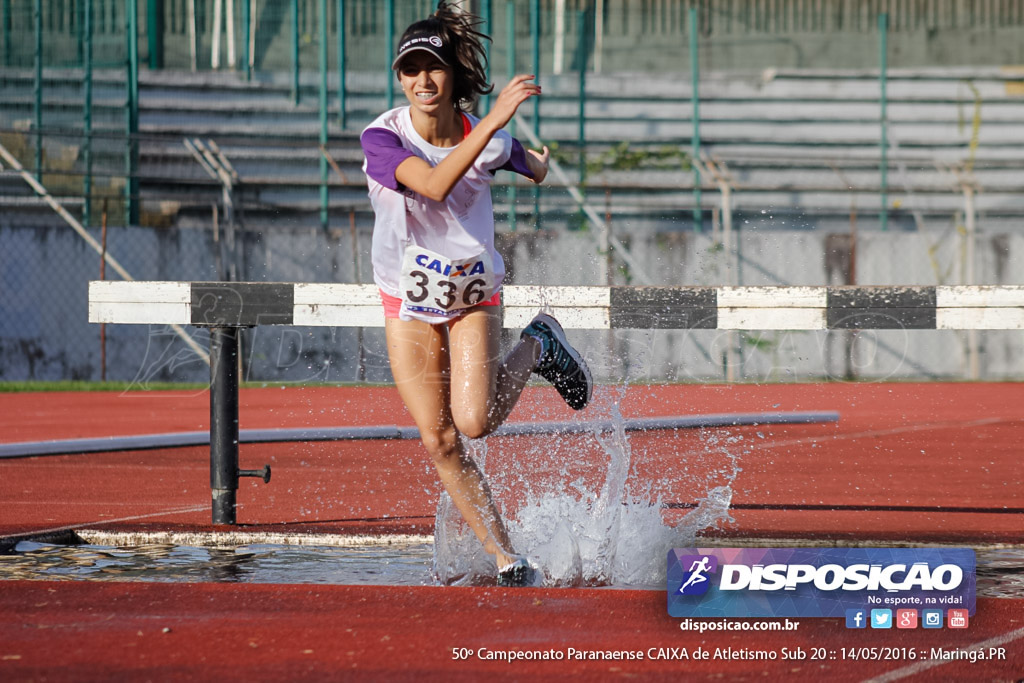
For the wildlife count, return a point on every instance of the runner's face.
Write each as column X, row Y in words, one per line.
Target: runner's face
column 427, row 82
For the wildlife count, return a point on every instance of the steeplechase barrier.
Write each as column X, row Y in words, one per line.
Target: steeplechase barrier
column 226, row 307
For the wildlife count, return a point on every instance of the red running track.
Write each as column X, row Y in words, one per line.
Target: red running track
column 906, row 462
column 901, row 456
column 73, row 631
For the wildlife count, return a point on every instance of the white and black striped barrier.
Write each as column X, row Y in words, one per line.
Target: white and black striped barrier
column 246, row 304
column 227, row 306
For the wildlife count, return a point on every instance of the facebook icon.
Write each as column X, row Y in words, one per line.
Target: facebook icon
column 856, row 618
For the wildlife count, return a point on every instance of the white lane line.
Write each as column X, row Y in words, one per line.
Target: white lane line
column 765, row 445
column 241, row 538
column 821, row 438
column 924, row 665
column 69, row 503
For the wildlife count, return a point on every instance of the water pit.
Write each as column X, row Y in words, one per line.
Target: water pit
column 160, row 558
column 329, row 559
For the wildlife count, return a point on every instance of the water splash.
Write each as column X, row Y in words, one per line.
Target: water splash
column 459, row 557
column 585, row 537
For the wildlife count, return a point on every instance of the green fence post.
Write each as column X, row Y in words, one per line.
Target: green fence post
column 131, row 187
column 155, row 33
column 695, row 98
column 581, row 119
column 488, row 23
column 389, row 30
column 342, row 64
column 323, row 113
column 883, row 30
column 295, row 51
column 37, row 88
column 246, row 30
column 510, row 37
column 79, row 35
column 87, row 114
column 535, row 57
column 7, row 32
column 535, row 64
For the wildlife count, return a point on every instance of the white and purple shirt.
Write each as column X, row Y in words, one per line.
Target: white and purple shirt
column 460, row 227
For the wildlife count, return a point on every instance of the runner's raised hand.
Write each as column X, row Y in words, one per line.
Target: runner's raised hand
column 518, row 90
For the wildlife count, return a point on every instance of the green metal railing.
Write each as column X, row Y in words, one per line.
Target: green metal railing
column 324, row 191
column 87, row 113
column 510, row 72
column 37, row 90
column 695, row 100
column 119, row 37
column 274, row 29
column 883, row 139
column 131, row 110
column 279, row 33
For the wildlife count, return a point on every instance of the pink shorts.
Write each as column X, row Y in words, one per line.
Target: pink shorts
column 392, row 304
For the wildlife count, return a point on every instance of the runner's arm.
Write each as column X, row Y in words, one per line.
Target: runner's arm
column 437, row 182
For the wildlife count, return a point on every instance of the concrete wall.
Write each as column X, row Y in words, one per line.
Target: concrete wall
column 44, row 333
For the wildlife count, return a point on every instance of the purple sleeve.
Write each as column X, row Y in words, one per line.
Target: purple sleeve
column 517, row 161
column 384, row 152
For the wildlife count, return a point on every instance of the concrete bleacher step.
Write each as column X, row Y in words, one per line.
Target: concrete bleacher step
column 784, row 136
column 796, row 133
column 17, row 198
column 866, row 201
column 807, row 110
column 926, row 110
column 274, row 164
column 818, row 179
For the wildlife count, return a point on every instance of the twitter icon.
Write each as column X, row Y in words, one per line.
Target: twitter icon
column 881, row 618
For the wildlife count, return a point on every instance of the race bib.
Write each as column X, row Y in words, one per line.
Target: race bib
column 431, row 283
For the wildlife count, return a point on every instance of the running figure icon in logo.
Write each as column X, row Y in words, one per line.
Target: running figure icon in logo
column 696, row 582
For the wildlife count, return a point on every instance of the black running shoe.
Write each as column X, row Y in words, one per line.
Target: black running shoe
column 560, row 363
column 519, row 574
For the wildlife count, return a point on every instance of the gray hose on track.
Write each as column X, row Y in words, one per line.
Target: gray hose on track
column 140, row 442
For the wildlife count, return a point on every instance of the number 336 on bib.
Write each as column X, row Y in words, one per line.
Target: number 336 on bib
column 432, row 283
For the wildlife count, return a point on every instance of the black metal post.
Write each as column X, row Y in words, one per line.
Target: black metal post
column 224, row 422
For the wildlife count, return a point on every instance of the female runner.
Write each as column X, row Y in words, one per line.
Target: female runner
column 429, row 166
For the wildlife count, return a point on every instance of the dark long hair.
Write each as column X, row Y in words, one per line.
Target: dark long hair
column 459, row 29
